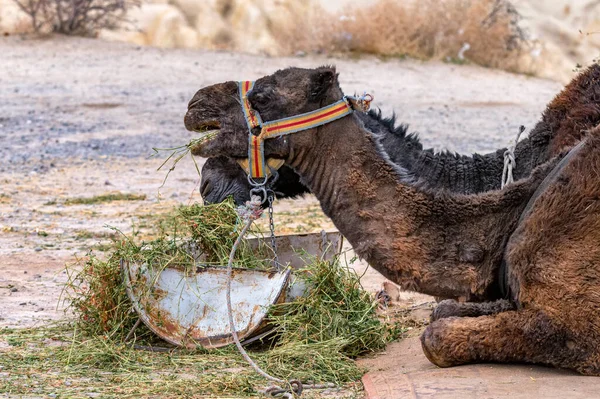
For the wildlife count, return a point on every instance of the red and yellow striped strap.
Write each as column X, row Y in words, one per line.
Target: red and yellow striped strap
column 309, row 120
column 252, row 118
column 256, row 159
column 280, row 127
column 272, row 164
column 291, row 125
column 256, row 156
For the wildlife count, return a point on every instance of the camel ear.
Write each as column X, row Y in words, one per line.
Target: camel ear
column 321, row 81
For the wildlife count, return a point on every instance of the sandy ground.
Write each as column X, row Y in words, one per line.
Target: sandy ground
column 80, row 118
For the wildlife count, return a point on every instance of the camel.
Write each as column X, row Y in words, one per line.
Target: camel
column 441, row 243
column 566, row 119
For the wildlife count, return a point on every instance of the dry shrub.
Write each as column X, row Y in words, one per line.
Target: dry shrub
column 487, row 31
column 74, row 17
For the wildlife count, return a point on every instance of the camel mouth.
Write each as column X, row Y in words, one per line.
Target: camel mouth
column 205, row 128
column 207, row 131
column 195, row 124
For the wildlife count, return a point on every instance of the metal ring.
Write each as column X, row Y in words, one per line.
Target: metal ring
column 260, row 191
column 256, row 184
column 297, row 386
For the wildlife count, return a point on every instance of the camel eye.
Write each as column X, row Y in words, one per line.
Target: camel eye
column 258, row 99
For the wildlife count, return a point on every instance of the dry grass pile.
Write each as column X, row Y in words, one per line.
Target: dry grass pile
column 485, row 32
column 95, row 289
column 316, row 337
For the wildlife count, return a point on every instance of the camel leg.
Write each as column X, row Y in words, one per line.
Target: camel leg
column 452, row 308
column 527, row 336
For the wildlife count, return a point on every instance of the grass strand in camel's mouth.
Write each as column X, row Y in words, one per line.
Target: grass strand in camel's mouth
column 207, row 130
column 206, row 134
column 204, row 137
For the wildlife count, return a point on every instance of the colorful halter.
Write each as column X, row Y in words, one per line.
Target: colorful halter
column 281, row 127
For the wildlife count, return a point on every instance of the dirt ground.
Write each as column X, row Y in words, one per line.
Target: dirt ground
column 80, row 118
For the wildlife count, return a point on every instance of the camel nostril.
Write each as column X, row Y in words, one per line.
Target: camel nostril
column 193, row 102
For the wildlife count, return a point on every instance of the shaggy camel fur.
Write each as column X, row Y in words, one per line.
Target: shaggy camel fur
column 566, row 119
column 436, row 242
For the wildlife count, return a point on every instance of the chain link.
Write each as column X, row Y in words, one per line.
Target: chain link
column 266, row 194
column 270, row 198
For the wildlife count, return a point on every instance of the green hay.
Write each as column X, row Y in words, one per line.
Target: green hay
column 95, row 287
column 336, row 307
column 316, row 336
column 214, row 229
column 180, row 152
column 61, row 362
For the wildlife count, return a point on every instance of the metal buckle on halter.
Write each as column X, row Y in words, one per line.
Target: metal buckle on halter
column 258, row 189
column 361, row 103
column 263, row 189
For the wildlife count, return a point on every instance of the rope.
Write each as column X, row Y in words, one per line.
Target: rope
column 510, row 162
column 248, row 214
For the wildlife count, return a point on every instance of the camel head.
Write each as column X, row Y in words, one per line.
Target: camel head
column 285, row 93
column 214, row 110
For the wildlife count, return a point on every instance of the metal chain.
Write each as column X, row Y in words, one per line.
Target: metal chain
column 264, row 191
column 270, row 198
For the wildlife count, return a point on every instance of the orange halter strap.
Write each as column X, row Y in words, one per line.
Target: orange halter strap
column 281, row 127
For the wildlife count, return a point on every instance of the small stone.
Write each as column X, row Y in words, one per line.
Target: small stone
column 14, row 289
column 38, row 249
column 23, row 304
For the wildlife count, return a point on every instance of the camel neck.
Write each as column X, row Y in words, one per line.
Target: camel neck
column 428, row 241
